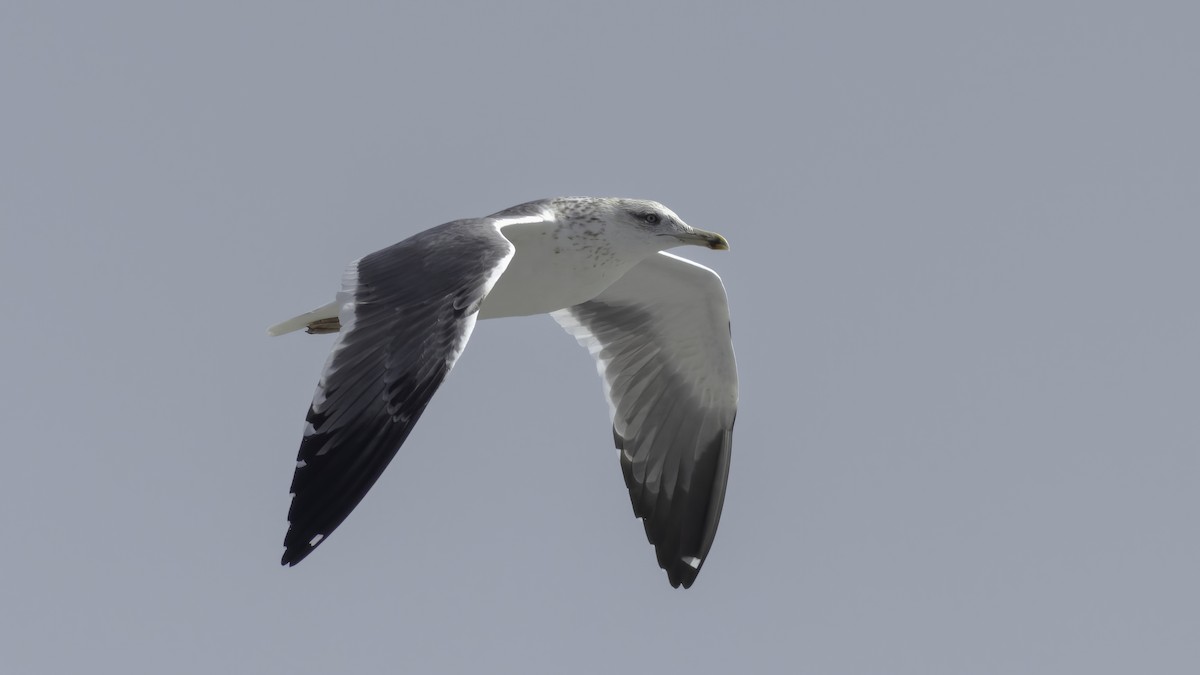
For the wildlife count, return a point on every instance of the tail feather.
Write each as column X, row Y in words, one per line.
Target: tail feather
column 323, row 312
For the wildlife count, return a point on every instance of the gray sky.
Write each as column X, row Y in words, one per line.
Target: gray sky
column 963, row 285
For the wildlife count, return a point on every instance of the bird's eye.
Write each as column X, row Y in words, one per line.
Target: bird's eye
column 651, row 218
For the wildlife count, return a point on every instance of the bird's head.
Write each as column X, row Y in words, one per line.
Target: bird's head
column 649, row 222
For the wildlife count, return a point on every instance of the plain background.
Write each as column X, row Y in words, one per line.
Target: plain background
column 963, row 285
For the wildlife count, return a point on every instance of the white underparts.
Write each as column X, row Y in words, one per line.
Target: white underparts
column 556, row 266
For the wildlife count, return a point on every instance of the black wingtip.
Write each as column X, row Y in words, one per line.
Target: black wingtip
column 682, row 574
column 294, row 552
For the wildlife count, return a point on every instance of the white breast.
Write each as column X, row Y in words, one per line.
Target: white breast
column 555, row 266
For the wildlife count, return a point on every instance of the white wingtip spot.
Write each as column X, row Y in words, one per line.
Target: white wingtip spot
column 694, row 563
column 300, row 464
column 316, row 540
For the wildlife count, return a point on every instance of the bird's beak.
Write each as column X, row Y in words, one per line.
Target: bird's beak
column 705, row 238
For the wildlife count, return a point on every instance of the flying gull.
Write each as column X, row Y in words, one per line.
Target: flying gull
column 657, row 325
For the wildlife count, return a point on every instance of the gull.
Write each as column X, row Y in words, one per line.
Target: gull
column 656, row 324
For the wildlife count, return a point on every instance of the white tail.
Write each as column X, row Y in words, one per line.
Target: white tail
column 329, row 311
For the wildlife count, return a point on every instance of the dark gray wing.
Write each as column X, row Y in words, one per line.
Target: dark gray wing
column 660, row 336
column 406, row 314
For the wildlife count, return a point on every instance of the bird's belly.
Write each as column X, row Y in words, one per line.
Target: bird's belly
column 547, row 274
